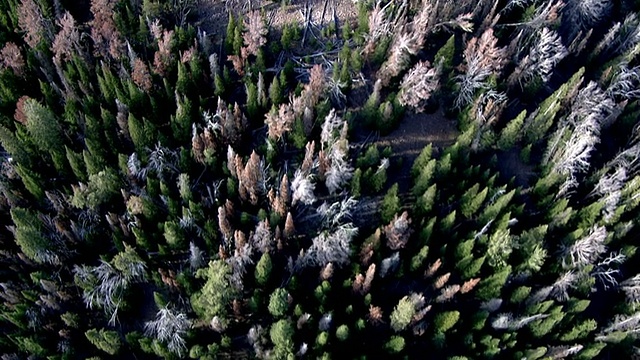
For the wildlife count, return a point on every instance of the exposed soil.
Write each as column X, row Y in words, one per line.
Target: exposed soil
column 213, row 18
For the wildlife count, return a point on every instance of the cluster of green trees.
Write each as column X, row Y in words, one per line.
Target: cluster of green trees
column 170, row 193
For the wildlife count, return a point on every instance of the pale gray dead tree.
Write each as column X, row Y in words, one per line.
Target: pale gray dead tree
column 257, row 339
column 340, row 171
column 303, row 349
column 325, row 322
column 564, row 351
column 390, row 264
column 569, row 149
column 607, row 272
column 508, row 322
column 418, row 85
column 560, row 288
column 621, row 39
column 196, row 257
column 336, row 146
column 104, row 285
column 631, row 289
column 545, row 52
column 491, row 305
column 545, row 14
column 584, row 14
column 162, row 161
column 539, row 296
column 262, row 238
column 609, row 190
column 337, row 212
column 242, row 256
column 629, row 158
column 586, row 250
column 626, row 83
column 330, row 247
column 627, row 324
column 9, row 294
column 182, row 9
column 170, row 328
column 302, row 188
column 332, row 128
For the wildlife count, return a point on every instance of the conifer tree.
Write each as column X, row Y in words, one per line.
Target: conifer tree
column 217, row 293
column 31, row 239
column 275, row 92
column 263, row 269
column 511, row 134
column 390, row 204
column 402, row 314
column 279, row 302
column 46, row 131
column 538, row 123
column 281, row 334
column 444, row 321
column 105, row 340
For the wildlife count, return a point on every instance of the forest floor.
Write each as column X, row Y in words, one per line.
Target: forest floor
column 213, row 18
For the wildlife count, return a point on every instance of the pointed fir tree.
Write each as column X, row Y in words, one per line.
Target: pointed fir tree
column 512, row 133
column 390, row 204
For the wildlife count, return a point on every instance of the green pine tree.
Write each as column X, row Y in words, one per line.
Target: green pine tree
column 390, row 204
column 263, row 269
column 402, row 314
column 105, row 340
column 30, row 238
column 512, row 133
column 276, row 94
column 279, row 302
column 444, row 321
column 281, row 334
column 215, row 296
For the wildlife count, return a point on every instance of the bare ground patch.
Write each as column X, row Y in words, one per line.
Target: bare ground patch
column 213, row 16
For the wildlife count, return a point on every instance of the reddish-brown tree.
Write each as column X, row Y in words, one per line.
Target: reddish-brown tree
column 141, row 76
column 31, row 22
column 105, row 35
column 66, row 39
column 11, row 58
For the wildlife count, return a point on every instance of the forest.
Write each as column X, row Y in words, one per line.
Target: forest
column 319, row 179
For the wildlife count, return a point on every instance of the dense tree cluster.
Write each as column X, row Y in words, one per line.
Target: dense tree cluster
column 169, row 193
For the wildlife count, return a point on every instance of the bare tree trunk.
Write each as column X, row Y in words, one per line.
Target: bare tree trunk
column 307, row 14
column 324, row 11
column 336, row 20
